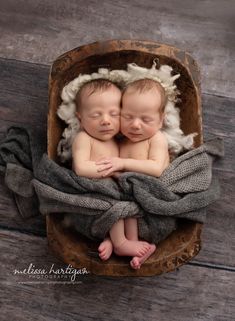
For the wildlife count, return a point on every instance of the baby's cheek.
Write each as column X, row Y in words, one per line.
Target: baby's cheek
column 123, row 130
column 121, row 125
column 117, row 124
column 151, row 130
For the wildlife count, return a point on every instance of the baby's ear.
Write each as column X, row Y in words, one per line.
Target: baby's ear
column 78, row 115
column 162, row 119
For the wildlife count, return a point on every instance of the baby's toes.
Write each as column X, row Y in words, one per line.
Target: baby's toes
column 101, row 248
column 102, row 256
column 135, row 263
column 145, row 248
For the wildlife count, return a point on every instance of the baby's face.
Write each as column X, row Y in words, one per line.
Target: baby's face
column 99, row 113
column 140, row 115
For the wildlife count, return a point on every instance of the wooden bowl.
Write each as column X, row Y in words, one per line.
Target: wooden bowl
column 185, row 242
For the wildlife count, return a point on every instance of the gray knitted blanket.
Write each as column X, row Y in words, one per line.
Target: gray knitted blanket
column 92, row 206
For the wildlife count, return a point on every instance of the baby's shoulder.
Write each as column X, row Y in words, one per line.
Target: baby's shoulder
column 158, row 138
column 82, row 134
column 81, row 137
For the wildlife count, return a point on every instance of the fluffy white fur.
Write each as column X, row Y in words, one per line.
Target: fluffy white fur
column 176, row 139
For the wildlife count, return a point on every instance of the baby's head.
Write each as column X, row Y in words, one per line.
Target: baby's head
column 143, row 105
column 98, row 108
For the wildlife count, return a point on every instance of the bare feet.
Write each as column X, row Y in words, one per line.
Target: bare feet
column 138, row 260
column 132, row 248
column 105, row 249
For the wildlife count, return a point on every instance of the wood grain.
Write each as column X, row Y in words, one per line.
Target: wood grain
column 218, row 119
column 184, row 243
column 218, row 239
column 192, row 293
column 11, row 219
column 39, row 31
column 23, row 98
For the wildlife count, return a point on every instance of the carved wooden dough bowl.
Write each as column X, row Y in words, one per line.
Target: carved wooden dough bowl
column 184, row 243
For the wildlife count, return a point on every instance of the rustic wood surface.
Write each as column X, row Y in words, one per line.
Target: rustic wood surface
column 37, row 32
column 183, row 244
column 194, row 293
column 40, row 30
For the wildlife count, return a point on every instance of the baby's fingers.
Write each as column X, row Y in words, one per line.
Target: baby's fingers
column 116, row 174
column 108, row 172
column 104, row 167
column 102, row 161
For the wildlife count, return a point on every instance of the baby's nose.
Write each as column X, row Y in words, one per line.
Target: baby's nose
column 105, row 120
column 136, row 124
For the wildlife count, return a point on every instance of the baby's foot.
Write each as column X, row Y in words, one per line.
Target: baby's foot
column 138, row 260
column 105, row 249
column 132, row 248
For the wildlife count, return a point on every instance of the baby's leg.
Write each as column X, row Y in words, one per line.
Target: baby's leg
column 131, row 229
column 123, row 246
column 105, row 249
column 137, row 261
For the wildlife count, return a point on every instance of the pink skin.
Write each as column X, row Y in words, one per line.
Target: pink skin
column 140, row 115
column 141, row 119
column 105, row 249
column 137, row 261
column 137, row 124
column 126, row 245
column 132, row 248
column 123, row 246
column 100, row 113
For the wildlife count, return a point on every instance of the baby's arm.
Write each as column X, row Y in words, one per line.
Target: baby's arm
column 81, row 153
column 156, row 163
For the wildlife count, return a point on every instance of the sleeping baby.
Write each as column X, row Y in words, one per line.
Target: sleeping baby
column 144, row 149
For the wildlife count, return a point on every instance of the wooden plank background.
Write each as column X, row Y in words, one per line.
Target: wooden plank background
column 33, row 34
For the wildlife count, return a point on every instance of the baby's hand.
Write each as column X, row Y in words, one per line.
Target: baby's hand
column 116, row 174
column 110, row 165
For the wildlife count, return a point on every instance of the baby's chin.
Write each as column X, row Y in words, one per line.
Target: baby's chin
column 137, row 138
column 103, row 136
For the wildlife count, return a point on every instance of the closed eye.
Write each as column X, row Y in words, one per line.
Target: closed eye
column 128, row 117
column 115, row 113
column 95, row 115
column 147, row 120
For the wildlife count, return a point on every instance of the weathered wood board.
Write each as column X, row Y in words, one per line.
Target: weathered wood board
column 31, row 97
column 191, row 293
column 39, row 31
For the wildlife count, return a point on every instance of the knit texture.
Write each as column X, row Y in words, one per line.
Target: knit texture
column 92, row 206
